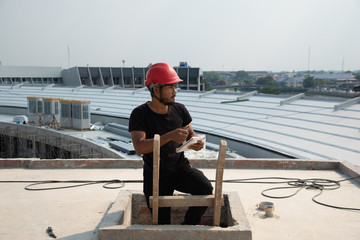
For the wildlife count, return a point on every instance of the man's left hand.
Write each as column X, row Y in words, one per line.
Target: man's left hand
column 197, row 146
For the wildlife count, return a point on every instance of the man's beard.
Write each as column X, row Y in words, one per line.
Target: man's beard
column 168, row 103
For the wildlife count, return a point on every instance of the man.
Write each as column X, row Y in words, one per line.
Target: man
column 171, row 120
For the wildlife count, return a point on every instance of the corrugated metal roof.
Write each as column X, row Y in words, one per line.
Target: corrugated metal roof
column 289, row 79
column 333, row 76
column 306, row 128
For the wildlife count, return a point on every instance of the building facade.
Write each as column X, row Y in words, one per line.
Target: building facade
column 122, row 77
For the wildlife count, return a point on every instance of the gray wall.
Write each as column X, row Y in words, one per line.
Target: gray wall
column 71, row 77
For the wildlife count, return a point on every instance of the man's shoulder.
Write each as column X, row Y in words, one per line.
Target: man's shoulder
column 178, row 105
column 141, row 107
column 180, row 109
column 137, row 118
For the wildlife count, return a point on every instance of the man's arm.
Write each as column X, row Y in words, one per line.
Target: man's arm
column 143, row 145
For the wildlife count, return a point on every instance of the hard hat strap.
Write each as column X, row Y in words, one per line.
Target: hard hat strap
column 151, row 89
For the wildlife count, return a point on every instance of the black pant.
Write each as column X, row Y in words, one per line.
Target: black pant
column 188, row 180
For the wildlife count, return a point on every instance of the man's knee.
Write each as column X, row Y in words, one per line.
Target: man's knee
column 208, row 188
column 205, row 188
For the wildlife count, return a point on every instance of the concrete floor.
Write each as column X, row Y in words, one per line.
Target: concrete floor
column 76, row 213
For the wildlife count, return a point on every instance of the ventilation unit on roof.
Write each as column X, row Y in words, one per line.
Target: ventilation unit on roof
column 81, row 114
column 65, row 116
column 51, row 111
column 35, row 109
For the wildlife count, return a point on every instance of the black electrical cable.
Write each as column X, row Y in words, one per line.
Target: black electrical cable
column 295, row 183
column 299, row 184
column 79, row 183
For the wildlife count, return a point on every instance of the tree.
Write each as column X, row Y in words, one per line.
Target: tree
column 266, row 81
column 269, row 90
column 220, row 82
column 320, row 83
column 242, row 76
column 309, row 82
column 211, row 77
column 357, row 76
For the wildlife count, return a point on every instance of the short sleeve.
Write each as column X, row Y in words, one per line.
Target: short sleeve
column 187, row 116
column 137, row 120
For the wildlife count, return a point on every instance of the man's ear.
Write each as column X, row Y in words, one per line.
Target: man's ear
column 156, row 90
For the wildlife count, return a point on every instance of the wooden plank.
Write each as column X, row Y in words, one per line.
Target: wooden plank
column 186, row 201
column 218, row 183
column 156, row 167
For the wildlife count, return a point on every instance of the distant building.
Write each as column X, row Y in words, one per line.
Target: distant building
column 30, row 75
column 291, row 81
column 231, row 74
column 123, row 77
column 338, row 80
column 337, row 77
column 192, row 77
column 257, row 74
column 290, row 74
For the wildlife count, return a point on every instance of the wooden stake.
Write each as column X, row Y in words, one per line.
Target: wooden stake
column 156, row 167
column 218, row 183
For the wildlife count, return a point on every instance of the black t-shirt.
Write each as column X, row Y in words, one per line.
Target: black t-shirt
column 144, row 119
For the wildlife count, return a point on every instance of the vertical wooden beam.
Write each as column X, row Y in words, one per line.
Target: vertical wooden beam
column 156, row 165
column 218, row 183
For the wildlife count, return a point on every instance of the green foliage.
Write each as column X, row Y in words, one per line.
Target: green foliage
column 309, row 82
column 241, row 76
column 320, row 82
column 357, row 76
column 207, row 86
column 220, row 82
column 266, row 81
column 211, row 77
column 270, row 90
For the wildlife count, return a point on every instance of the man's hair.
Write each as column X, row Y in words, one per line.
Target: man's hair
column 151, row 86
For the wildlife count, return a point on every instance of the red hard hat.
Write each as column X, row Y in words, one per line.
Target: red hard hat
column 161, row 73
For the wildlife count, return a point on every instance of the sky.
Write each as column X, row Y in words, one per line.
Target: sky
column 215, row 35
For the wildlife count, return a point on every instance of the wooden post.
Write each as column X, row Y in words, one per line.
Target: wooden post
column 156, row 167
column 218, row 183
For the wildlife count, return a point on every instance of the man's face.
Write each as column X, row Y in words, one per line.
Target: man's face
column 168, row 93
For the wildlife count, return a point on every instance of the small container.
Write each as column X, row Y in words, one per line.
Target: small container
column 269, row 211
column 263, row 205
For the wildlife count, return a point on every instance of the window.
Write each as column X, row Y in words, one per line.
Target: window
column 32, row 106
column 47, row 107
column 56, row 108
column 65, row 110
column 40, row 106
column 86, row 113
column 77, row 111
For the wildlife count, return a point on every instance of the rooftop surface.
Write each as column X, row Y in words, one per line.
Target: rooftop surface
column 77, row 213
column 306, row 128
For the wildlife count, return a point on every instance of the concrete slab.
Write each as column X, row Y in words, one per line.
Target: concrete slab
column 78, row 213
column 133, row 221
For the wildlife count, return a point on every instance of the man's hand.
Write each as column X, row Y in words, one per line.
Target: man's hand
column 179, row 135
column 197, row 146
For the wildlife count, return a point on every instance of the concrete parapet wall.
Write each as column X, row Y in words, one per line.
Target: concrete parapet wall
column 200, row 163
column 75, row 146
column 350, row 170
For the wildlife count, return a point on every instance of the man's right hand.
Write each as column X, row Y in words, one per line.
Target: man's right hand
column 179, row 135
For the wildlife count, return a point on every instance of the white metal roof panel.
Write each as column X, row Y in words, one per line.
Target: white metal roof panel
column 305, row 128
